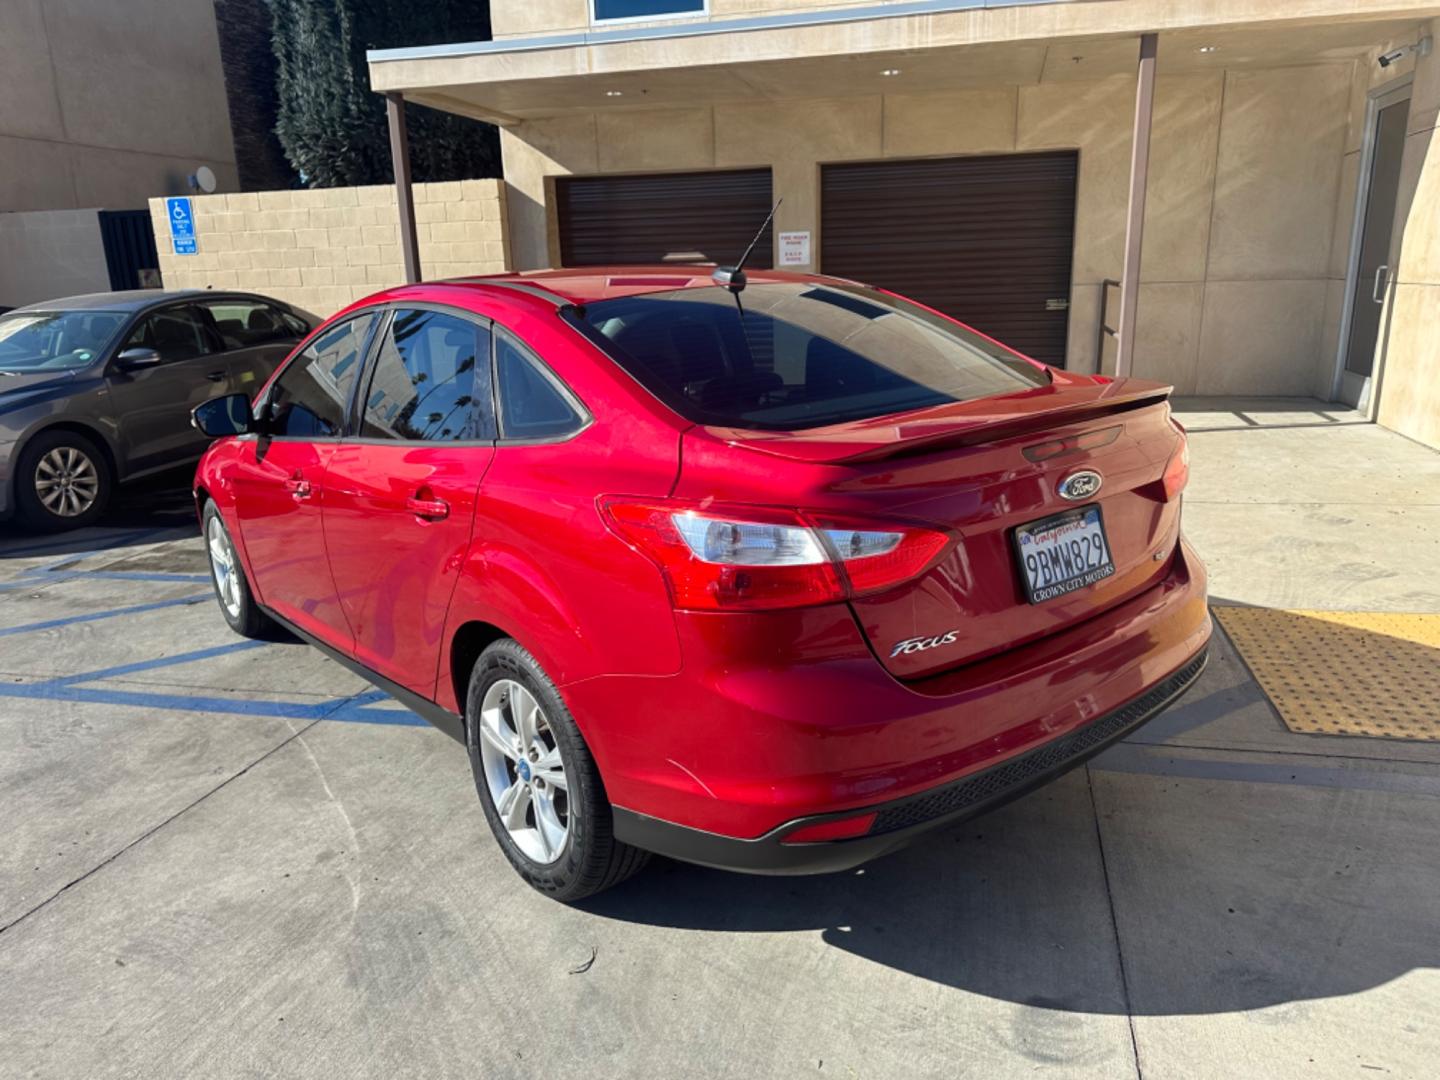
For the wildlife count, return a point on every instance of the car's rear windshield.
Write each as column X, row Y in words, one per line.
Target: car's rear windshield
column 799, row 356
column 55, row 340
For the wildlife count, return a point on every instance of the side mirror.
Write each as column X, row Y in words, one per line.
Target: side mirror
column 137, row 359
column 221, row 416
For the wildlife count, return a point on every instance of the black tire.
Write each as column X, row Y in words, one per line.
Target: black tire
column 591, row 859
column 31, row 510
column 244, row 616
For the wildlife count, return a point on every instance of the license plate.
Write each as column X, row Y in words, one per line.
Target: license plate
column 1063, row 553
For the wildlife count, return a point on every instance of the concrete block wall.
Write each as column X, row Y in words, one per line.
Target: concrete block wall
column 325, row 248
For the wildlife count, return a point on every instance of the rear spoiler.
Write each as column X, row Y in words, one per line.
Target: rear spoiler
column 970, row 423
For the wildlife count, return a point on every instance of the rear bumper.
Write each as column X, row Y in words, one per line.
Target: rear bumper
column 903, row 820
column 777, row 719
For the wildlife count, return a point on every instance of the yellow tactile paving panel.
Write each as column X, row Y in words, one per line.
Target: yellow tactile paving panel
column 1344, row 672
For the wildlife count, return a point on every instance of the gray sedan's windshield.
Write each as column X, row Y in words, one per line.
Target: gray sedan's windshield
column 55, row 340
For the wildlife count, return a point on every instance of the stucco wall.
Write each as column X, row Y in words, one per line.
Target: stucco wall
column 324, row 249
column 1409, row 360
column 1244, row 181
column 45, row 254
column 1016, row 18
column 107, row 104
column 512, row 19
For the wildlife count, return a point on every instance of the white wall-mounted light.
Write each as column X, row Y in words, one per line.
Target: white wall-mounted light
column 614, row 93
column 1208, row 48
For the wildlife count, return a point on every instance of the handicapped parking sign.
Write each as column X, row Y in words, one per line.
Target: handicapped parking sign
column 182, row 226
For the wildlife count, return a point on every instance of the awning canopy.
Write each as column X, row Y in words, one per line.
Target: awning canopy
column 838, row 53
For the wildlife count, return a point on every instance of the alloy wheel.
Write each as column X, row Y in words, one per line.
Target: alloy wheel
column 67, row 482
column 223, row 566
column 524, row 771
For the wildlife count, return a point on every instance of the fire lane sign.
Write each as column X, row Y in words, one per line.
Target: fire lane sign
column 182, row 226
column 795, row 248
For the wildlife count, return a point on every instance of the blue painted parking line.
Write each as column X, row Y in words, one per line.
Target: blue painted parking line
column 151, row 665
column 35, row 580
column 97, row 616
column 356, row 708
column 67, row 690
column 201, row 703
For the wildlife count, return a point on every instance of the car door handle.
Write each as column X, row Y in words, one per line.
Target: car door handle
column 298, row 487
column 429, row 509
column 216, row 376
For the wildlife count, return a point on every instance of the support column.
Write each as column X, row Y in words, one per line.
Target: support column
column 1135, row 220
column 404, row 194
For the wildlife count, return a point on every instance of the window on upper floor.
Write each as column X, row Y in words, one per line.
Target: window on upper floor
column 623, row 10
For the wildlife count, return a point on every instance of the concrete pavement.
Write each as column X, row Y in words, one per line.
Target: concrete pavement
column 227, row 859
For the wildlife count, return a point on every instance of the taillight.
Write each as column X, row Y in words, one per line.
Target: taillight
column 721, row 558
column 1177, row 472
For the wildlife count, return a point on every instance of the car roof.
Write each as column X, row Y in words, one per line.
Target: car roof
column 127, row 300
column 589, row 284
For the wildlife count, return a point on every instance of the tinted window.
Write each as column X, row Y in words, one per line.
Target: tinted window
column 800, row 355
column 55, row 340
column 640, row 9
column 308, row 400
column 431, row 380
column 532, row 405
column 175, row 333
column 243, row 323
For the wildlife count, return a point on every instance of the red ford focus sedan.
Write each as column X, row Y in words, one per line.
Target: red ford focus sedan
column 772, row 575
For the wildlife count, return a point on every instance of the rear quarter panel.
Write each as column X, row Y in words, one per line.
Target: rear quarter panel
column 542, row 565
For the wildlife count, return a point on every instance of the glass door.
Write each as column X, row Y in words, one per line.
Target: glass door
column 1373, row 269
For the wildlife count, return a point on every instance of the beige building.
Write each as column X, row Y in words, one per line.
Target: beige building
column 107, row 104
column 978, row 154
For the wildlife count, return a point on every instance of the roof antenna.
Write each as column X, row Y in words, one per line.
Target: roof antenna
column 733, row 277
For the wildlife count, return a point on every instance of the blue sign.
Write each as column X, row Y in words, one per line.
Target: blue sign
column 182, row 226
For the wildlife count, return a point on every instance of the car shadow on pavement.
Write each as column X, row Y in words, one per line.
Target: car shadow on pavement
column 146, row 512
column 1271, row 908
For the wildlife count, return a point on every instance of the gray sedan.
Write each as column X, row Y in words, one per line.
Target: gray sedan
column 97, row 390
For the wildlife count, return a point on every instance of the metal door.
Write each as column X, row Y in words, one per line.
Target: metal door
column 988, row 240
column 665, row 218
column 1371, row 268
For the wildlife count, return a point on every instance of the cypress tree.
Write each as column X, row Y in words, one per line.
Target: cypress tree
column 332, row 126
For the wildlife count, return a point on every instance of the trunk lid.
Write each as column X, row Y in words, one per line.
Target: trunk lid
column 981, row 469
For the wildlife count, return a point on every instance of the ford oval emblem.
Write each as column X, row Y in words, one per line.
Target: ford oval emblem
column 1080, row 485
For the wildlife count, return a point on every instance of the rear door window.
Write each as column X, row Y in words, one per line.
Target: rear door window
column 430, row 381
column 310, row 398
column 788, row 356
column 534, row 405
column 244, row 323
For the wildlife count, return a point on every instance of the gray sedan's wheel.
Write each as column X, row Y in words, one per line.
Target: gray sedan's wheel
column 232, row 590
column 67, row 481
column 539, row 786
column 62, row 481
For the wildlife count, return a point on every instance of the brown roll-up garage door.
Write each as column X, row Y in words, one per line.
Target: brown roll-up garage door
column 674, row 217
column 985, row 239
